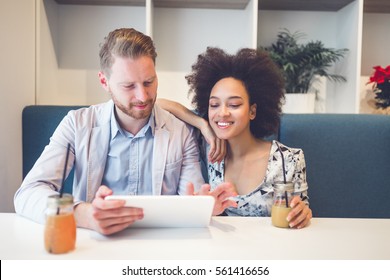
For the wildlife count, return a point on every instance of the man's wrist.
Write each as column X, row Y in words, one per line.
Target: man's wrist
column 82, row 214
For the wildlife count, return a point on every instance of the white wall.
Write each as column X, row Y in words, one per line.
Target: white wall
column 375, row 51
column 344, row 97
column 376, row 42
column 17, row 53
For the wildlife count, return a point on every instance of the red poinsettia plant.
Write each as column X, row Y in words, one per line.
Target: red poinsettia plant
column 381, row 86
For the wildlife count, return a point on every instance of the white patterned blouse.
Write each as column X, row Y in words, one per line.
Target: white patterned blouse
column 259, row 201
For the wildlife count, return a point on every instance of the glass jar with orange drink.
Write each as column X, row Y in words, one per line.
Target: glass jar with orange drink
column 60, row 228
column 283, row 193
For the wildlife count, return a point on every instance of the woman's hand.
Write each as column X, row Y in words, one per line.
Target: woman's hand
column 217, row 150
column 222, row 194
column 300, row 214
column 217, row 146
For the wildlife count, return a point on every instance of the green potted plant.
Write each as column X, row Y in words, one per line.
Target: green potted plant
column 301, row 64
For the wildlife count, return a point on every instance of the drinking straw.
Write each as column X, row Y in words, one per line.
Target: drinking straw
column 65, row 167
column 64, row 175
column 285, row 193
column 284, row 172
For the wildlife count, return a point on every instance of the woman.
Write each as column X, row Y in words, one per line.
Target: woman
column 239, row 97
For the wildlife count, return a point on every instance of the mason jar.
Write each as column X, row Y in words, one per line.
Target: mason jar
column 283, row 193
column 60, row 228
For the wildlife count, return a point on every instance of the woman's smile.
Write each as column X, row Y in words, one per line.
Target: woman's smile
column 223, row 124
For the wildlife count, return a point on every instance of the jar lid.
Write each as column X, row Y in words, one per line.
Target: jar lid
column 55, row 200
column 282, row 186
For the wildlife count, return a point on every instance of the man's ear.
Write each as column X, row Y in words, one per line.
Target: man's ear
column 104, row 81
column 252, row 111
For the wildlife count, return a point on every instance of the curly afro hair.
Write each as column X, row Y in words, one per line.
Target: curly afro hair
column 261, row 77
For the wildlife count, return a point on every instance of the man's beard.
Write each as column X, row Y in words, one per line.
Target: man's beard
column 134, row 113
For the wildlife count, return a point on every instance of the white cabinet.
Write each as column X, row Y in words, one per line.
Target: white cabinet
column 69, row 33
column 69, row 36
column 180, row 34
column 337, row 26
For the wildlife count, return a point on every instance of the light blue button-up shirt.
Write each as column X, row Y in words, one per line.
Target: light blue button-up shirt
column 128, row 168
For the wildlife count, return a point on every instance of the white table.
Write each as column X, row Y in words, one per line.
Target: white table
column 225, row 238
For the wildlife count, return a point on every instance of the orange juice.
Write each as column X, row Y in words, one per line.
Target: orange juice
column 60, row 229
column 60, row 233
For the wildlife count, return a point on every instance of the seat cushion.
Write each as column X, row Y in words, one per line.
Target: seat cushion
column 38, row 124
column 347, row 159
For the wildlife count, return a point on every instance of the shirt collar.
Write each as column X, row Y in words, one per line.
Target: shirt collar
column 115, row 127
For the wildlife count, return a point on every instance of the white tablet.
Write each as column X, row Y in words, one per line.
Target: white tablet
column 171, row 210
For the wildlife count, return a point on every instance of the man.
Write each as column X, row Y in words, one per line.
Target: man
column 127, row 146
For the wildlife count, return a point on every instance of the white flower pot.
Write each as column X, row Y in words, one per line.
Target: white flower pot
column 299, row 103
